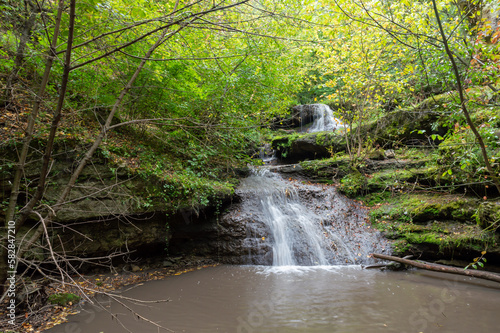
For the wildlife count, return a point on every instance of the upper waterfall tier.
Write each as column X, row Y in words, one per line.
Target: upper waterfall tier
column 324, row 119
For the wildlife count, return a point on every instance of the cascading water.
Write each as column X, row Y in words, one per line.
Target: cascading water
column 267, row 154
column 290, row 222
column 324, row 119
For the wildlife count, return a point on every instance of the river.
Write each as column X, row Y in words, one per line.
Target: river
column 284, row 299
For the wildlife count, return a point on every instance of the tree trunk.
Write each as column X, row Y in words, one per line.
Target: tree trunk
column 441, row 268
column 88, row 155
column 463, row 102
column 9, row 216
column 28, row 24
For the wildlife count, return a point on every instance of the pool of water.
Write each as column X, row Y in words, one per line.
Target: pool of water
column 246, row 299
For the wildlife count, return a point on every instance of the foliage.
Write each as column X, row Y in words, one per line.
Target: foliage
column 64, row 299
column 477, row 262
column 353, row 184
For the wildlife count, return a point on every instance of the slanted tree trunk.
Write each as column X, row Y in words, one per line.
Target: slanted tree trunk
column 19, row 168
column 88, row 155
column 463, row 101
column 441, row 268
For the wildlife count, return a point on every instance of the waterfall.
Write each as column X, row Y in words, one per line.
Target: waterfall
column 294, row 223
column 324, row 119
column 267, row 154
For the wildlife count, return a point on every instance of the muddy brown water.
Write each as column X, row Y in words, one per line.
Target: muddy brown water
column 251, row 299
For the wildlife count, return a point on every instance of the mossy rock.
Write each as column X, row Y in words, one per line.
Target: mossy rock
column 353, row 183
column 327, row 169
column 413, row 125
column 488, row 216
column 424, row 208
column 298, row 147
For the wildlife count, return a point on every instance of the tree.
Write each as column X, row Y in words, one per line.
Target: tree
column 412, row 49
column 106, row 64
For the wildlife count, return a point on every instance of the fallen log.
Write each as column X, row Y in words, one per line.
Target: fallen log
column 441, row 268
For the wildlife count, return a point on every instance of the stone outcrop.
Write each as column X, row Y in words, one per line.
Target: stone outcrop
column 308, row 146
column 299, row 115
column 111, row 210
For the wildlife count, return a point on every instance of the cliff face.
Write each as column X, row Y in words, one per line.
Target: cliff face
column 112, row 210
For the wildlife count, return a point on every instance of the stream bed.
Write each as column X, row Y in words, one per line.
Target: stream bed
column 244, row 299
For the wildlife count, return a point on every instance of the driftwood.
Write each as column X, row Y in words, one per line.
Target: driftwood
column 441, row 268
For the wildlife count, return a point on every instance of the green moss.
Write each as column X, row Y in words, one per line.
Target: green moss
column 64, row 299
column 443, row 221
column 401, row 247
column 353, row 183
column 423, row 208
column 488, row 216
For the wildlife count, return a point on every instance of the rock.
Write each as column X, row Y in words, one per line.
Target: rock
column 299, row 115
column 135, row 268
column 167, row 263
column 377, row 155
column 389, row 153
column 290, row 168
column 316, row 145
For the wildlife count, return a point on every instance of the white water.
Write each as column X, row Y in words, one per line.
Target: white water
column 305, row 224
column 324, row 119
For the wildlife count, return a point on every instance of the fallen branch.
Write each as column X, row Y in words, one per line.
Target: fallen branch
column 441, row 268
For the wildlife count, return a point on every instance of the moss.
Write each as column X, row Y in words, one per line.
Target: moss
column 64, row 299
column 488, row 216
column 353, row 183
column 401, row 247
column 392, row 180
column 443, row 222
column 423, row 208
column 282, row 143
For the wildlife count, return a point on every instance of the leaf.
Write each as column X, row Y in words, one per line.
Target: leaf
column 480, row 264
column 483, row 253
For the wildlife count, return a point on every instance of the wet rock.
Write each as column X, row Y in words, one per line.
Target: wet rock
column 294, row 168
column 300, row 115
column 167, row 263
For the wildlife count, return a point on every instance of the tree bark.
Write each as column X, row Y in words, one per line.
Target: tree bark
column 88, row 155
column 16, row 183
column 441, row 268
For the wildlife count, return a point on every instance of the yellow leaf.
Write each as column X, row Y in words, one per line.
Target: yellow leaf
column 483, row 253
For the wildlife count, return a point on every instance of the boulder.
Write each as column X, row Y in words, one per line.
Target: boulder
column 299, row 115
column 309, row 146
